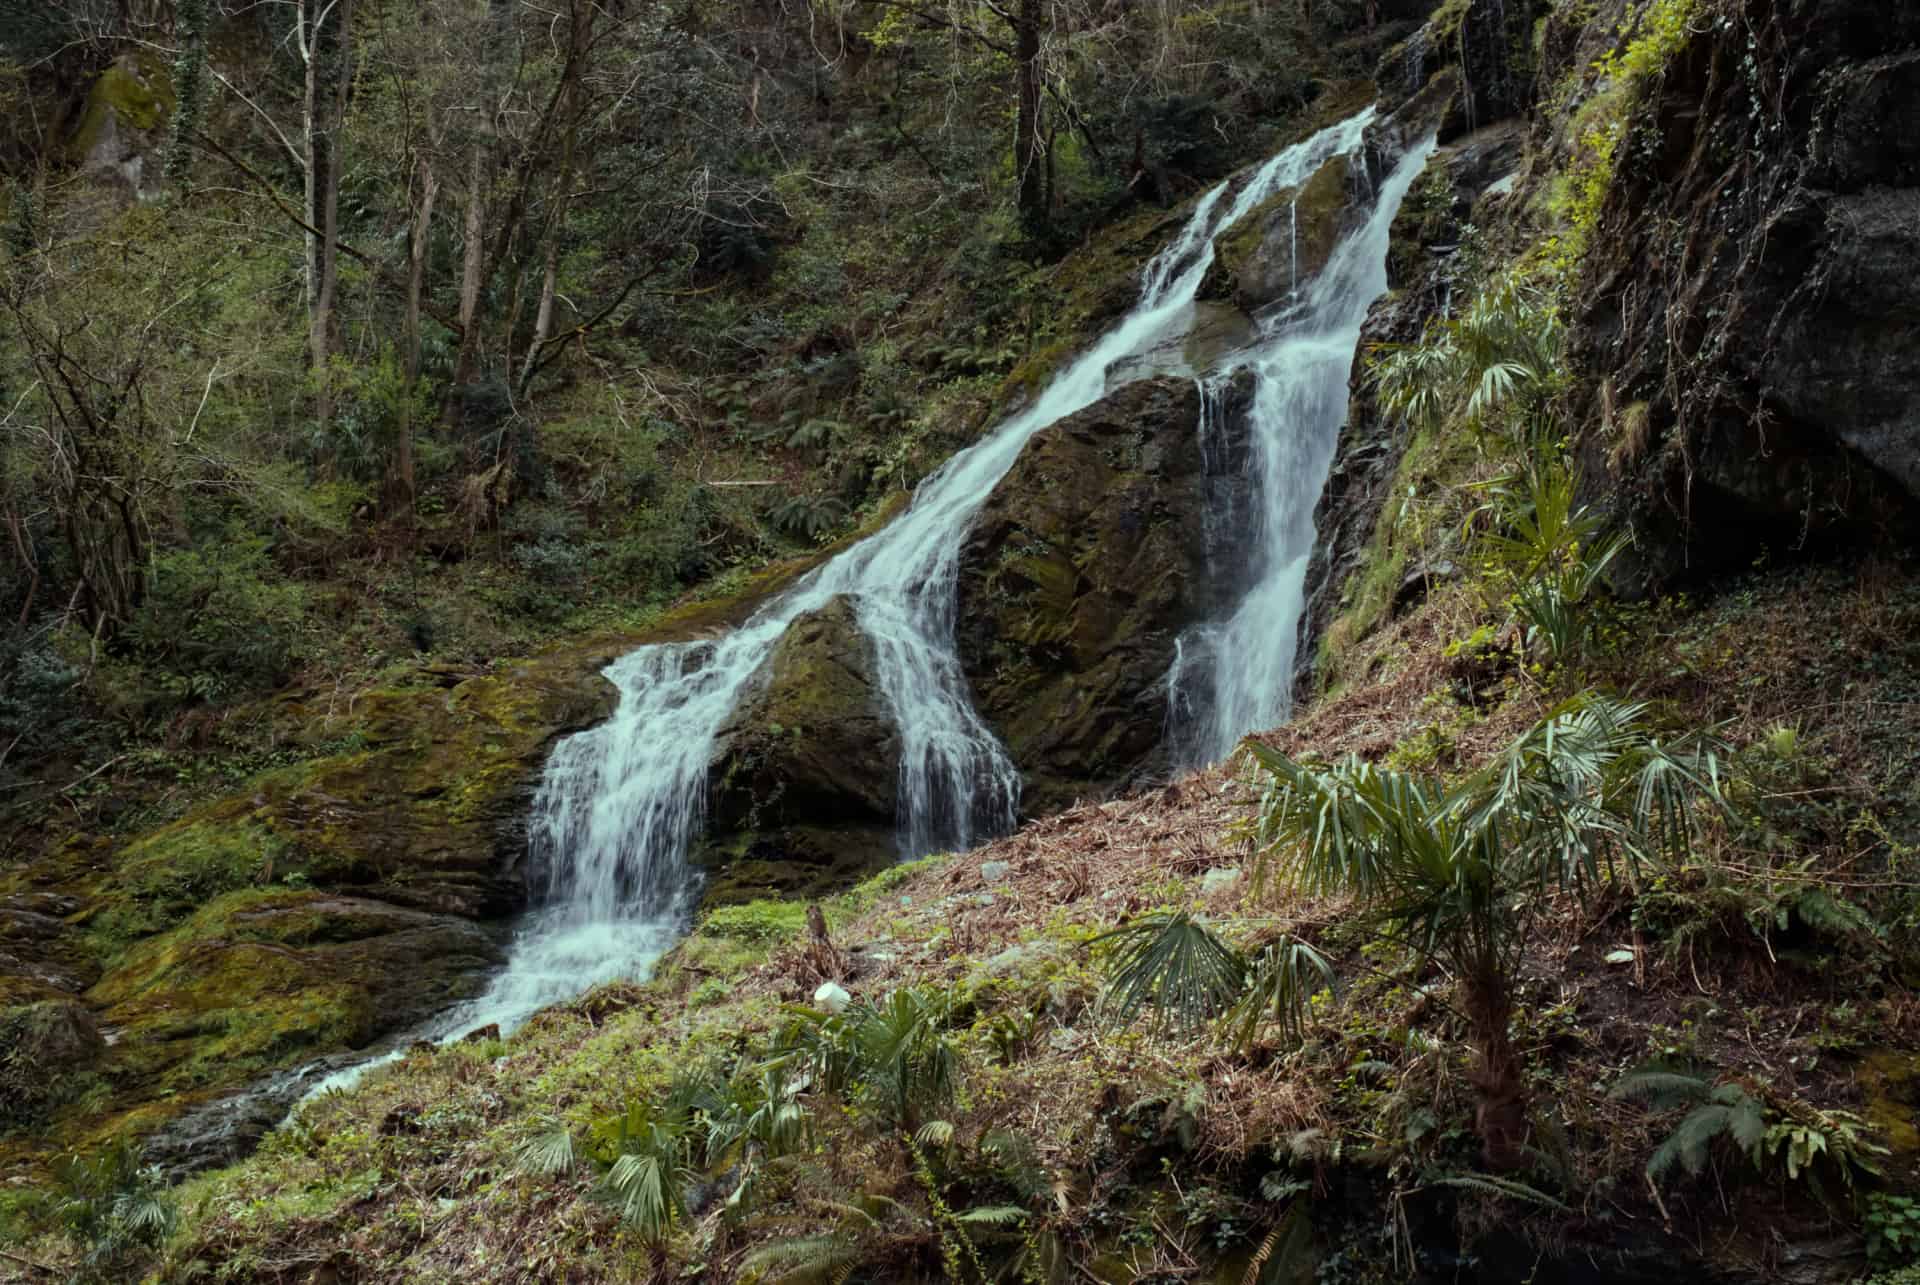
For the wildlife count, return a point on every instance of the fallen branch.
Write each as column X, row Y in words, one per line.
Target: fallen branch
column 27, row 1262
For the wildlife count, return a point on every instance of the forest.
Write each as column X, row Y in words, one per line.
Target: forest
column 983, row 640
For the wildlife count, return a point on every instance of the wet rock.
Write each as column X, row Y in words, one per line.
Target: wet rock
column 1469, row 60
column 1079, row 573
column 803, row 783
column 1457, row 189
column 995, row 871
column 256, row 981
column 1279, row 246
column 1757, row 356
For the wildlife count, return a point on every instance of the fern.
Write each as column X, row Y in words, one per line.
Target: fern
column 802, row 1260
column 1505, row 1187
column 1836, row 917
column 1719, row 1111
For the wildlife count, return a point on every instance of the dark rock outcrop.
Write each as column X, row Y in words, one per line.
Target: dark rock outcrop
column 1079, row 573
column 1761, row 345
column 804, row 778
column 1471, row 60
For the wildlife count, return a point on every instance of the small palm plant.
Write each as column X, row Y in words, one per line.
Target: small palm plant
column 1493, row 363
column 114, row 1206
column 1546, row 553
column 894, row 1055
column 1457, row 872
column 1175, row 966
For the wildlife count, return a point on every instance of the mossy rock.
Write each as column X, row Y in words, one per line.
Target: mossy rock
column 806, row 769
column 1080, row 572
column 257, row 980
column 1890, row 1083
column 48, row 1052
column 124, row 122
column 1282, row 243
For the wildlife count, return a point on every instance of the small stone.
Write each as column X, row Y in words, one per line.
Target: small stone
column 1219, row 880
column 1063, row 1038
column 831, row 997
column 995, row 871
column 1022, row 958
column 984, row 900
column 906, row 901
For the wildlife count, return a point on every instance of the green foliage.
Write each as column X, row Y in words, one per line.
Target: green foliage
column 1280, row 988
column 1173, row 965
column 1718, row 1111
column 894, row 1056
column 115, row 1208
column 547, row 1153
column 1545, row 556
column 808, row 517
column 1488, row 367
column 1449, row 869
column 766, row 922
column 220, row 618
column 646, row 1154
column 1656, row 31
column 1892, row 1226
column 1795, row 1140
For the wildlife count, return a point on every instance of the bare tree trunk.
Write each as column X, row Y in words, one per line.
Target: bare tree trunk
column 543, row 319
column 566, row 110
column 400, row 477
column 1028, row 163
column 472, row 258
column 326, row 28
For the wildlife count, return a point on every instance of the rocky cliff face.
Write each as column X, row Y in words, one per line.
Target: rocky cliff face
column 1079, row 574
column 1746, row 317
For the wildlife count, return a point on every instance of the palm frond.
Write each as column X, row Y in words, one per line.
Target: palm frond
column 547, row 1153
column 1173, row 965
column 646, row 1188
column 1280, row 989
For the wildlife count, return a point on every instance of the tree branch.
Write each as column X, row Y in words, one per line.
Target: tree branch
column 380, row 270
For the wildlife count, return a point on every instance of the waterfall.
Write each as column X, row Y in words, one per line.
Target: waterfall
column 619, row 805
column 1235, row 675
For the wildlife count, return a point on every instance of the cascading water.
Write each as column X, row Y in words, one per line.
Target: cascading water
column 619, row 805
column 1234, row 676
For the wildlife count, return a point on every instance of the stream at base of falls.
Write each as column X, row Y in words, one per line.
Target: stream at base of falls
column 619, row 805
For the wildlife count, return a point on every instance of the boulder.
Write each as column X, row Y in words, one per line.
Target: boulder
column 256, row 979
column 807, row 767
column 1080, row 571
column 1282, row 243
column 45, row 1048
column 1756, row 356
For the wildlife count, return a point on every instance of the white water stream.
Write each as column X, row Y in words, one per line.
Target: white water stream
column 620, row 804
